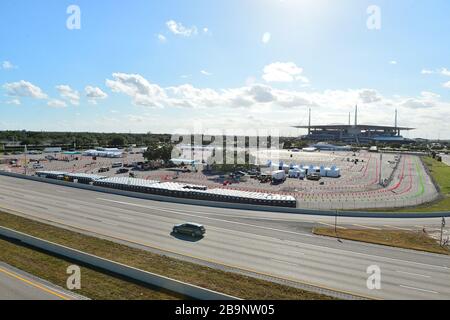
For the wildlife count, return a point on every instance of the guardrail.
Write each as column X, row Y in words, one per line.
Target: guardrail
column 239, row 206
column 146, row 277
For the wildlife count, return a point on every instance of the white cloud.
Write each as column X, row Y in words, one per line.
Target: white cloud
column 441, row 71
column 283, row 72
column 266, row 37
column 280, row 108
column 66, row 92
column 206, row 73
column 7, row 65
column 369, row 96
column 178, row 29
column 54, row 103
column 427, row 71
column 24, row 89
column 393, row 62
column 140, row 89
column 162, row 38
column 94, row 94
column 14, row 102
column 446, row 85
column 445, row 72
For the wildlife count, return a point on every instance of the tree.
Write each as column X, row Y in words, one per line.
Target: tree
column 118, row 141
column 159, row 152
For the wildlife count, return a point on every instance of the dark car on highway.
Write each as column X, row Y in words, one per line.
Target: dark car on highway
column 191, row 229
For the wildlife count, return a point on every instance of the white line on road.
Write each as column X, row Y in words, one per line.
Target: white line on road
column 286, row 262
column 414, row 274
column 366, row 227
column 208, row 218
column 418, row 289
column 302, row 234
column 398, row 228
column 331, row 225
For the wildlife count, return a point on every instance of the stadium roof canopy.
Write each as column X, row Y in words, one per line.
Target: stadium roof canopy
column 359, row 126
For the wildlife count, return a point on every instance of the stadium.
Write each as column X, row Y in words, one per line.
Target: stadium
column 356, row 133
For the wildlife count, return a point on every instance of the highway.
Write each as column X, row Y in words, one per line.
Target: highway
column 18, row 285
column 262, row 243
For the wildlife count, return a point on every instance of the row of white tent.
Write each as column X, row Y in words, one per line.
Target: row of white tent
column 174, row 189
column 112, row 153
column 301, row 171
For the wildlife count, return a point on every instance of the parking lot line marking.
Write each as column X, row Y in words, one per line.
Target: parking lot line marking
column 418, row 289
column 366, row 227
column 414, row 274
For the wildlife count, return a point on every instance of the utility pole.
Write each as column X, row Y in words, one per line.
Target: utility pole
column 335, row 223
column 381, row 167
column 25, row 166
column 442, row 231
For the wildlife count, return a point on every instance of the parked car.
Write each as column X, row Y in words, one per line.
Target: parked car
column 314, row 176
column 123, row 170
column 104, row 169
column 192, row 229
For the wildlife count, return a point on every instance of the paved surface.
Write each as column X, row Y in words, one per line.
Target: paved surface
column 263, row 243
column 18, row 285
column 357, row 188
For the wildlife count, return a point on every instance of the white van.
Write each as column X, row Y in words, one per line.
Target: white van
column 117, row 165
column 38, row 166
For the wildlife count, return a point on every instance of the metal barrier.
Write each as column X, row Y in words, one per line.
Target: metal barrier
column 230, row 205
column 146, row 277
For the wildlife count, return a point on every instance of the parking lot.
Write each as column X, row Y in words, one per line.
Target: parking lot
column 359, row 187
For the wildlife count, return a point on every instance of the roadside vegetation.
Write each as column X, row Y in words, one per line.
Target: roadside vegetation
column 415, row 240
column 226, row 282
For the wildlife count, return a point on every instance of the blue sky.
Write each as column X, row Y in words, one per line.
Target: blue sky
column 164, row 65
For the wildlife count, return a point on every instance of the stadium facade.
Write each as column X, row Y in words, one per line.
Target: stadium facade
column 356, row 133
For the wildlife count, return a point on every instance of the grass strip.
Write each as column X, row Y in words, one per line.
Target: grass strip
column 415, row 240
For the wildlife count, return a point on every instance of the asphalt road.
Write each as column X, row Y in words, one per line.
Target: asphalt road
column 18, row 285
column 269, row 244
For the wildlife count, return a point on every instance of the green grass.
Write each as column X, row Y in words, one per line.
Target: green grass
column 415, row 240
column 227, row 282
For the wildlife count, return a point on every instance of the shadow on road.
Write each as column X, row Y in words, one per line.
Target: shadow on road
column 185, row 237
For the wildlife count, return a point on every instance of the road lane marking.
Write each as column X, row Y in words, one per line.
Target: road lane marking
column 242, row 268
column 418, row 289
column 208, row 218
column 413, row 274
column 311, row 245
column 286, row 262
column 33, row 284
column 366, row 227
column 331, row 225
column 398, row 228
